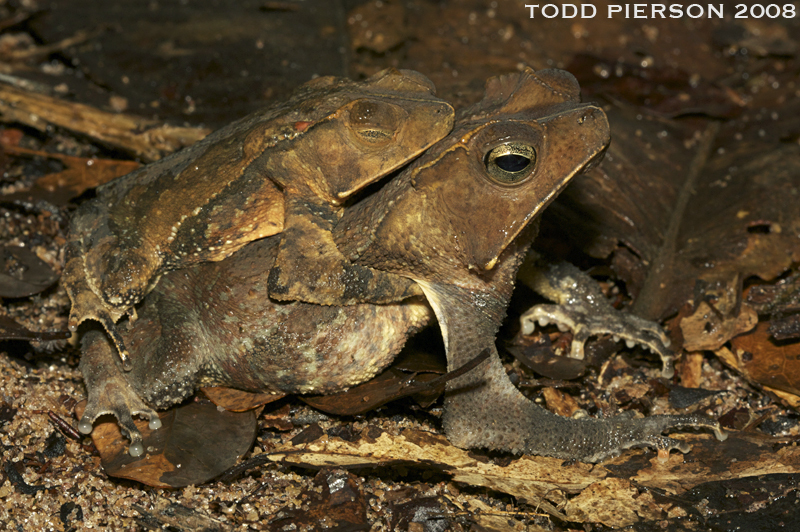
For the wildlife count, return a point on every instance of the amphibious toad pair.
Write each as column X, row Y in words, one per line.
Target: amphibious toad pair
column 247, row 267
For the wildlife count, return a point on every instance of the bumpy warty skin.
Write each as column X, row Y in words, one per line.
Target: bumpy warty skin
column 445, row 225
column 214, row 325
column 331, row 138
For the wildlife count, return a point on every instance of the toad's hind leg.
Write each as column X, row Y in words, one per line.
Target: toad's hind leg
column 484, row 409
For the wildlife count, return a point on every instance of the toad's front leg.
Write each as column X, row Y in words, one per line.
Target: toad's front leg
column 484, row 409
column 167, row 342
column 309, row 267
column 583, row 308
column 110, row 391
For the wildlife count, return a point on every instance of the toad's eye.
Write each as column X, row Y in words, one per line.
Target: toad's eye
column 510, row 163
column 373, row 122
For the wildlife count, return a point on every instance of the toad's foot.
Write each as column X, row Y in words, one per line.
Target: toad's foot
column 110, row 392
column 584, row 309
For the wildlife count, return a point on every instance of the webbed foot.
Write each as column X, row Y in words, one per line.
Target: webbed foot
column 110, row 392
column 584, row 309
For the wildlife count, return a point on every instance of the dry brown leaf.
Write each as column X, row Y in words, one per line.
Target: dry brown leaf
column 781, row 302
column 23, row 273
column 547, row 482
column 731, row 360
column 559, row 402
column 389, row 385
column 11, row 330
column 179, row 517
column 425, row 386
column 707, row 329
column 663, row 90
column 374, row 26
column 80, row 174
column 693, row 214
column 237, row 400
column 764, row 361
column 195, row 443
column 490, row 520
column 615, row 502
column 742, row 455
column 691, row 370
column 530, row 479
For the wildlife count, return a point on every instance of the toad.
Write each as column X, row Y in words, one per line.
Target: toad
column 456, row 224
column 287, row 168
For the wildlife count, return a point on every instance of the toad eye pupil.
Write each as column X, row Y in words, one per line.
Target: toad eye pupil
column 512, row 163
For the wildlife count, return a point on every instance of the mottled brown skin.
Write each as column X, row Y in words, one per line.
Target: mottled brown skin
column 214, row 324
column 289, row 167
column 455, row 224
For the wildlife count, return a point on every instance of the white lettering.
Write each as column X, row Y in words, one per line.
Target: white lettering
column 712, row 9
column 698, row 6
column 532, row 8
column 567, row 10
column 555, row 9
column 658, row 9
column 614, row 8
column 675, row 11
column 638, row 10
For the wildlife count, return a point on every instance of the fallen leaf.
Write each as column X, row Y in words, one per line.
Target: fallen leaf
column 764, row 361
column 177, row 517
column 237, row 400
column 781, row 302
column 691, row 213
column 758, row 37
column 718, row 318
column 527, row 478
column 22, row 273
column 615, row 502
column 560, row 403
column 663, row 90
column 548, row 483
column 80, row 174
column 388, row 386
column 195, row 443
column 428, row 512
column 11, row 330
column 491, row 520
column 538, row 354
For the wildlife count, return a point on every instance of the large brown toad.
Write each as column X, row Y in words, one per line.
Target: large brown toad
column 456, row 224
column 287, row 168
